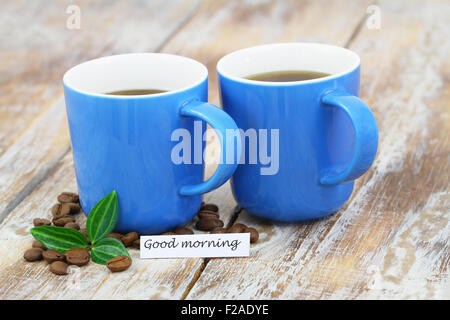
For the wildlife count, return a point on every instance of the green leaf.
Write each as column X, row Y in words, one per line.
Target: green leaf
column 59, row 238
column 106, row 249
column 103, row 218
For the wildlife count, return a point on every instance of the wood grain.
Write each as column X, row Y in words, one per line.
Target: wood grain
column 36, row 50
column 34, row 134
column 177, row 285
column 391, row 240
column 223, row 26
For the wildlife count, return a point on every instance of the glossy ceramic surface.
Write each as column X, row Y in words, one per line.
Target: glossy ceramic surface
column 123, row 143
column 327, row 136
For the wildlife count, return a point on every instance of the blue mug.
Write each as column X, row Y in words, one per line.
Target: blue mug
column 125, row 143
column 324, row 136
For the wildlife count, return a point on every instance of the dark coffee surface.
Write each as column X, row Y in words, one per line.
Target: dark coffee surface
column 286, row 76
column 135, row 92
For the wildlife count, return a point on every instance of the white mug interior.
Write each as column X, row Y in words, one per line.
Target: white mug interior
column 132, row 71
column 295, row 56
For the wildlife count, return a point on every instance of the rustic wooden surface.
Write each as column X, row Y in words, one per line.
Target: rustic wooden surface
column 390, row 241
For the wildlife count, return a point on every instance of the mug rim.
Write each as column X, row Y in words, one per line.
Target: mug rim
column 67, row 80
column 221, row 69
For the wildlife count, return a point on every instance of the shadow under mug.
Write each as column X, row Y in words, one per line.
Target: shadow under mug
column 124, row 143
column 327, row 136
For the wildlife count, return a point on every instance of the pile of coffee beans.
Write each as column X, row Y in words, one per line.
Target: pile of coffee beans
column 209, row 220
column 63, row 216
column 208, row 217
column 68, row 204
column 58, row 262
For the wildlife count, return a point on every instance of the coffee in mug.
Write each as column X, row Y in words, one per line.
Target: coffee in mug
column 322, row 136
column 287, row 76
column 135, row 92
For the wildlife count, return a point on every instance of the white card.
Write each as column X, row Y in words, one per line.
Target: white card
column 196, row 246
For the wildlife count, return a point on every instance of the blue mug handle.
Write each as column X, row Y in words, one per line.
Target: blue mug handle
column 366, row 136
column 221, row 122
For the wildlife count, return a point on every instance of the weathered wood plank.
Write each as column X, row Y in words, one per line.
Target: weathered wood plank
column 146, row 279
column 318, row 259
column 155, row 279
column 36, row 50
column 392, row 239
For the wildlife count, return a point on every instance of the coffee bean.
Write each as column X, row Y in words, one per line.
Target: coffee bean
column 209, row 207
column 119, row 263
column 208, row 224
column 33, row 254
column 116, row 235
column 51, row 255
column 69, row 207
column 77, row 256
column 62, row 221
column 237, row 228
column 183, row 230
column 59, row 268
column 219, row 230
column 56, row 209
column 129, row 238
column 60, row 213
column 137, row 244
column 207, row 214
column 68, row 197
column 38, row 244
column 72, row 225
column 254, row 234
column 59, row 216
column 65, row 209
column 41, row 222
column 169, row 234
